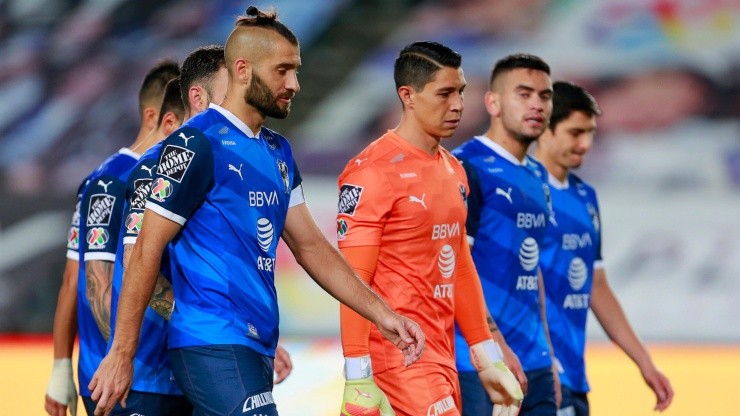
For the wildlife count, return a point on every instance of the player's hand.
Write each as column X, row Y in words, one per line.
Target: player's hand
column 111, row 382
column 661, row 387
column 497, row 379
column 61, row 392
column 404, row 334
column 283, row 364
column 501, row 410
column 515, row 366
column 362, row 397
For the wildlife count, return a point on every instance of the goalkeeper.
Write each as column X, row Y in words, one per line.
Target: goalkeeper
column 401, row 225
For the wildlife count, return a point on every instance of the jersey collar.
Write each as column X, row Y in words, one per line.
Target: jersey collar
column 500, row 150
column 128, row 152
column 235, row 121
column 555, row 183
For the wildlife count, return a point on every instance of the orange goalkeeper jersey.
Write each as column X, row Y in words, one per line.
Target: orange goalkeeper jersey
column 412, row 205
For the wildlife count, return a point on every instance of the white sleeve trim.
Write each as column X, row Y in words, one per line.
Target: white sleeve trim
column 165, row 213
column 100, row 256
column 73, row 255
column 129, row 240
column 296, row 196
column 598, row 264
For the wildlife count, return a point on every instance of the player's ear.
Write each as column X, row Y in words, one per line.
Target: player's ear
column 170, row 123
column 149, row 117
column 406, row 94
column 492, row 101
column 243, row 70
column 197, row 96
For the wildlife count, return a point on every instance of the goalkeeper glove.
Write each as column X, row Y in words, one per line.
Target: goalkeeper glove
column 61, row 387
column 500, row 384
column 362, row 397
column 500, row 410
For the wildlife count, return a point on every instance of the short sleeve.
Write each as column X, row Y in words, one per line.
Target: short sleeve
column 365, row 202
column 73, row 235
column 102, row 204
column 138, row 188
column 474, row 201
column 184, row 175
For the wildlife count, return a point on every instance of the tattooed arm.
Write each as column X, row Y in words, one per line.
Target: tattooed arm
column 163, row 299
column 98, row 279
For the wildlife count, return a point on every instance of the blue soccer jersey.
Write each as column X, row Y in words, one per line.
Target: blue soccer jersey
column 152, row 371
column 73, row 236
column 571, row 252
column 508, row 213
column 230, row 190
column 101, row 208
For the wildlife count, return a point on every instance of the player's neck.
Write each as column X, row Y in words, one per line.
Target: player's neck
column 418, row 138
column 499, row 136
column 139, row 145
column 246, row 113
column 554, row 169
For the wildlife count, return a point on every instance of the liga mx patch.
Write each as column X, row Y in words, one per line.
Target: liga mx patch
column 100, row 209
column 96, row 238
column 174, row 162
column 349, row 197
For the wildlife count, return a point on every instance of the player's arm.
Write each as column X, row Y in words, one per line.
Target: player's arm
column 61, row 392
column 330, row 270
column 543, row 315
column 470, row 314
column 612, row 318
column 163, row 298
column 98, row 286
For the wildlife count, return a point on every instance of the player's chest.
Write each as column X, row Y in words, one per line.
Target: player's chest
column 434, row 196
column 577, row 227
column 515, row 193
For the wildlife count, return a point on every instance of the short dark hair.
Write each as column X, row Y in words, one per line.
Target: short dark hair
column 256, row 18
column 152, row 88
column 419, row 61
column 517, row 61
column 200, row 67
column 568, row 98
column 171, row 101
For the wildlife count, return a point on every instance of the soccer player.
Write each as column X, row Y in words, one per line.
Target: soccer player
column 224, row 189
column 401, row 224
column 508, row 212
column 571, row 259
column 74, row 309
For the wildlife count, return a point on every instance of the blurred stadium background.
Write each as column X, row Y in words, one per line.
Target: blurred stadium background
column 666, row 161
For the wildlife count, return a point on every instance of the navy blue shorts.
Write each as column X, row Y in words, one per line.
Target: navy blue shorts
column 225, row 380
column 574, row 403
column 146, row 404
column 539, row 400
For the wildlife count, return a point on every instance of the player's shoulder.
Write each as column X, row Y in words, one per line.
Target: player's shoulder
column 581, row 185
column 378, row 157
column 274, row 139
column 537, row 168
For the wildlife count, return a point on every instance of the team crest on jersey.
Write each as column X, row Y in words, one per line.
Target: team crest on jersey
column 142, row 188
column 161, row 189
column 283, row 167
column 133, row 222
column 594, row 216
column 73, row 238
column 96, row 238
column 174, row 162
column 342, row 228
column 349, row 198
column 548, row 199
column 100, row 210
column 463, row 193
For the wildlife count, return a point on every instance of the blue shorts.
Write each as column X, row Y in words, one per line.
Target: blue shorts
column 225, row 380
column 146, row 404
column 574, row 403
column 539, row 400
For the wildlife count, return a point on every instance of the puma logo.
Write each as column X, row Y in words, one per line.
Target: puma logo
column 413, row 198
column 239, row 171
column 186, row 138
column 148, row 169
column 505, row 194
column 104, row 185
column 358, row 162
column 362, row 393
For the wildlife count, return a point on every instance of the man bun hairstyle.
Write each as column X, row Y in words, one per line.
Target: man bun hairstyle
column 256, row 18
